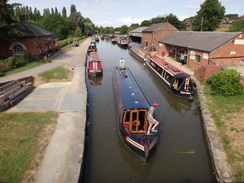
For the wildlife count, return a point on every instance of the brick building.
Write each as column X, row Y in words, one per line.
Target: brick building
column 155, row 32
column 205, row 48
column 34, row 44
column 203, row 51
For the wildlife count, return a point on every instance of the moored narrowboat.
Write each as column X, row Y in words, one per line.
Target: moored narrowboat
column 176, row 81
column 124, row 43
column 132, row 113
column 139, row 53
column 92, row 47
column 94, row 64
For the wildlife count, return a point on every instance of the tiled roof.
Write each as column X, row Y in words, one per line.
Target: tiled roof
column 137, row 32
column 205, row 41
column 34, row 30
column 153, row 27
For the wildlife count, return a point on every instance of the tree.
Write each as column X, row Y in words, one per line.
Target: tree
column 72, row 9
column 77, row 32
column 145, row 23
column 58, row 25
column 9, row 27
column 64, row 13
column 172, row 19
column 237, row 26
column 209, row 16
column 123, row 29
column 77, row 19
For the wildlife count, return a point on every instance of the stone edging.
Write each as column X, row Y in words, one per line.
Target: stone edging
column 219, row 160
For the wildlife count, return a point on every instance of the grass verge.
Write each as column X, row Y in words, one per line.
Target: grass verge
column 228, row 114
column 26, row 67
column 58, row 73
column 21, row 139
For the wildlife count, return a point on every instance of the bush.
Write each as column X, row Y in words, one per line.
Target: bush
column 12, row 61
column 226, row 83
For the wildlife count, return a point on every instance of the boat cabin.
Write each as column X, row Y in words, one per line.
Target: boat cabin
column 135, row 121
column 133, row 103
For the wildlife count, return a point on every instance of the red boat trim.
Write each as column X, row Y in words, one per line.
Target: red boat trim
column 139, row 146
column 153, row 143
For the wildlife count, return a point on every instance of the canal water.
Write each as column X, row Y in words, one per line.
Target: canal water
column 181, row 154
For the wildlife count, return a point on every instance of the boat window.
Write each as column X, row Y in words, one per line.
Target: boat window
column 176, row 82
column 180, row 82
column 142, row 119
column 160, row 70
column 127, row 116
column 169, row 78
column 163, row 71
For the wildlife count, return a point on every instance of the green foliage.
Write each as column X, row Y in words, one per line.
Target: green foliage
column 226, row 83
column 209, row 16
column 237, row 26
column 77, row 32
column 172, row 19
column 123, row 29
column 9, row 27
column 58, row 25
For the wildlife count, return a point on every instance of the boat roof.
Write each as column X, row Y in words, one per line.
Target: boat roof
column 176, row 72
column 139, row 48
column 94, row 56
column 131, row 93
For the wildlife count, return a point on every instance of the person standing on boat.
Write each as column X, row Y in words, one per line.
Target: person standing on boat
column 122, row 64
column 152, row 122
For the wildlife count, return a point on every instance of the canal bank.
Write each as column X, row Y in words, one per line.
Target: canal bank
column 218, row 156
column 63, row 158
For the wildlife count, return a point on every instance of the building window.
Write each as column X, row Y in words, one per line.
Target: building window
column 18, row 50
column 198, row 59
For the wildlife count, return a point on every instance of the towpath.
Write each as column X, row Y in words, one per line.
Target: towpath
column 64, row 155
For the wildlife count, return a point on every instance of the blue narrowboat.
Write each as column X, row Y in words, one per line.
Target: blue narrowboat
column 132, row 112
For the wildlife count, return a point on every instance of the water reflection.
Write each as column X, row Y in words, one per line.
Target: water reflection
column 95, row 80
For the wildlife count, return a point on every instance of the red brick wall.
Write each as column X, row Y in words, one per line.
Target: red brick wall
column 156, row 35
column 31, row 44
column 191, row 59
column 203, row 72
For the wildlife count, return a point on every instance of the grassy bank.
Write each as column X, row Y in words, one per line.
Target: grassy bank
column 26, row 67
column 59, row 73
column 228, row 114
column 23, row 141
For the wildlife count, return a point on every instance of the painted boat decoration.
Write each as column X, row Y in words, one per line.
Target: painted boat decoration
column 139, row 53
column 175, row 80
column 132, row 111
column 12, row 92
column 91, row 48
column 94, row 65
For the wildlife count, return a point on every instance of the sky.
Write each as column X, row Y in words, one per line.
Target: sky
column 116, row 13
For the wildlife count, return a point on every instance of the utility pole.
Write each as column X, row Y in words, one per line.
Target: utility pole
column 201, row 23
